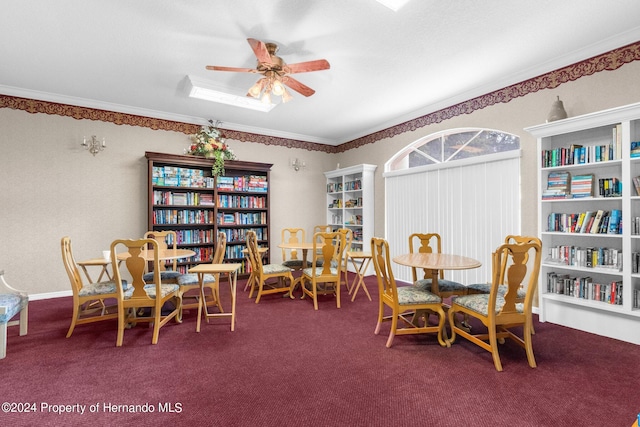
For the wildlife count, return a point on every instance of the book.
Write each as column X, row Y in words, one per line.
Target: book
column 596, row 222
column 582, row 185
column 636, row 184
column 614, row 221
column 587, row 221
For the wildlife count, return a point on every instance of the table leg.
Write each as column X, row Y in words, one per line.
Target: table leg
column 201, row 281
column 298, row 281
column 359, row 277
column 232, row 285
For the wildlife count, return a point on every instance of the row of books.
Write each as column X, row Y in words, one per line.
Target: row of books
column 590, row 257
column 183, row 216
column 194, row 236
column 578, row 154
column 635, row 262
column 635, row 148
column 585, row 288
column 242, row 218
column 353, row 185
column 182, row 198
column 239, row 234
column 248, row 183
column 561, row 185
column 635, row 226
column 636, row 298
column 174, row 176
column 610, row 187
column 594, row 222
column 636, row 184
column 236, row 201
column 334, row 187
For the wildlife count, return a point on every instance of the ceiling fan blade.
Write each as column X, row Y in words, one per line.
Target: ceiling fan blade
column 237, row 70
column 297, row 86
column 305, row 67
column 260, row 50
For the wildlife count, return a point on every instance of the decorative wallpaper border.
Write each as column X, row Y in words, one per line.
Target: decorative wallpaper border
column 611, row 60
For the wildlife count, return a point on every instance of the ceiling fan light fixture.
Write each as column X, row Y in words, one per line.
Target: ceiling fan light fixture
column 286, row 96
column 277, row 88
column 256, row 89
column 266, row 97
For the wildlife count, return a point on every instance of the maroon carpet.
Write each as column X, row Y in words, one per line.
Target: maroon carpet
column 287, row 364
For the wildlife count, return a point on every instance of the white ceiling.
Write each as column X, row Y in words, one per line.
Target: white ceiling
column 386, row 67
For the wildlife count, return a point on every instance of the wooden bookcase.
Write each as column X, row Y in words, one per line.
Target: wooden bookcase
column 183, row 196
column 350, row 203
column 597, row 293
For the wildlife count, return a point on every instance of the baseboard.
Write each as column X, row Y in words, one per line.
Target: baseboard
column 49, row 295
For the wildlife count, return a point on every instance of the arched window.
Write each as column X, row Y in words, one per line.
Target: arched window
column 452, row 145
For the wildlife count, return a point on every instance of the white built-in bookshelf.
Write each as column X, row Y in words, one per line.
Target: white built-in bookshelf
column 350, row 202
column 589, row 275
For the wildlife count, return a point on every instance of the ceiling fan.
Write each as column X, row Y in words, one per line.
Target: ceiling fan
column 276, row 73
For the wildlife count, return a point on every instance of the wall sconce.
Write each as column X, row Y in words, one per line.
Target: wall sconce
column 298, row 164
column 93, row 145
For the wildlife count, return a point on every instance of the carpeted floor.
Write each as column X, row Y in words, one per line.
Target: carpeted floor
column 288, row 365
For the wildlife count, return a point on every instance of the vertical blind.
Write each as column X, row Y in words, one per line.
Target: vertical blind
column 473, row 205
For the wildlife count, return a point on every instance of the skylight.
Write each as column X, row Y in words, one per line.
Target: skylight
column 394, row 5
column 202, row 89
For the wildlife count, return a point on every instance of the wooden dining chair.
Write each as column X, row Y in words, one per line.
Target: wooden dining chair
column 145, row 302
column 268, row 278
column 485, row 288
column 432, row 243
column 501, row 311
column 92, row 302
column 190, row 285
column 290, row 257
column 168, row 269
column 403, row 301
column 324, row 279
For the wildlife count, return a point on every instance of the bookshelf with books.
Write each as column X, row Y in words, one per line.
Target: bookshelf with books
column 587, row 213
column 186, row 198
column 350, row 203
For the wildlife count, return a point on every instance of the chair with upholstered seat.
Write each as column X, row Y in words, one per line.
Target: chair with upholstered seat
column 404, row 301
column 500, row 311
column 432, row 243
column 146, row 300
column 13, row 302
column 268, row 278
column 92, row 302
column 189, row 282
column 290, row 257
column 166, row 239
column 485, row 288
column 324, row 278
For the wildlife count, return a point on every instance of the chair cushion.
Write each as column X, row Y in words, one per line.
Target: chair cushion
column 164, row 275
column 274, row 268
column 444, row 285
column 309, row 271
column 101, row 288
column 165, row 289
column 192, row 279
column 485, row 288
column 293, row 263
column 414, row 295
column 13, row 303
column 480, row 303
